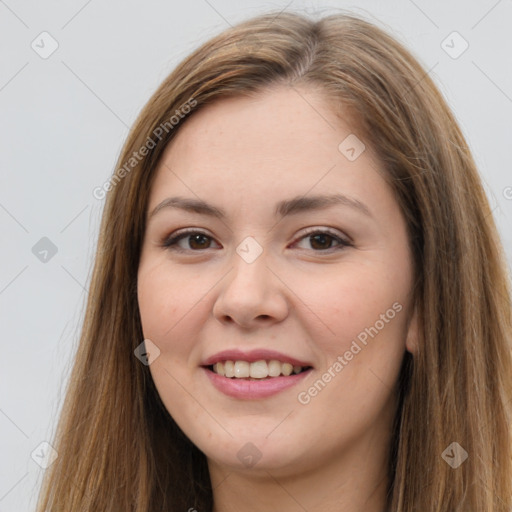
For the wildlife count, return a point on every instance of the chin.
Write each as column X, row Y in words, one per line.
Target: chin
column 255, row 453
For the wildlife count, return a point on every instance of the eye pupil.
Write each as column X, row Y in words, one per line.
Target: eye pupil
column 322, row 237
column 194, row 239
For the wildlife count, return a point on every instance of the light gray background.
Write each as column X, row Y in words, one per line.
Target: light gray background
column 63, row 120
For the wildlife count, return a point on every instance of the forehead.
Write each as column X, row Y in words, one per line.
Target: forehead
column 273, row 121
column 282, row 142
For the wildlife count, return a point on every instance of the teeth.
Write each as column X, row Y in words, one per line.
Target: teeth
column 287, row 369
column 256, row 370
column 228, row 370
column 241, row 369
column 274, row 368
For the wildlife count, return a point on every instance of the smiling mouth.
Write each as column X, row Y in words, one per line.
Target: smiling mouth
column 257, row 370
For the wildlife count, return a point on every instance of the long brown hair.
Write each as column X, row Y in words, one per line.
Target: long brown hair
column 119, row 449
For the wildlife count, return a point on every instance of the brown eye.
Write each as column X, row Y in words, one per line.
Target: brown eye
column 322, row 240
column 196, row 241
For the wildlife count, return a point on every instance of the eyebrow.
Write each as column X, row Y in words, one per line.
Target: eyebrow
column 292, row 206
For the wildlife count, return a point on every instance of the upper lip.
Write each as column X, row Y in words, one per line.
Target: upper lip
column 251, row 356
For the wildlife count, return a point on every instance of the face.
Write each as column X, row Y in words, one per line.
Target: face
column 268, row 277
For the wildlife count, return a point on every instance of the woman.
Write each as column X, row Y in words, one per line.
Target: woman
column 299, row 299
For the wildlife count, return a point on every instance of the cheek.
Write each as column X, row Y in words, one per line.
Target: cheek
column 356, row 299
column 165, row 306
column 365, row 307
column 165, row 298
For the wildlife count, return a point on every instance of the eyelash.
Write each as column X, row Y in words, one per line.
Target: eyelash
column 171, row 242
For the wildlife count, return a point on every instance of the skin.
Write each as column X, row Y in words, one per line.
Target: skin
column 301, row 297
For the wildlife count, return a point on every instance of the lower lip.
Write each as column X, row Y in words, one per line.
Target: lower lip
column 254, row 389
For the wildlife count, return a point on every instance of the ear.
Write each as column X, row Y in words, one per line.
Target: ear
column 412, row 336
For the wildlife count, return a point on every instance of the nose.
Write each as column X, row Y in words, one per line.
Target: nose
column 251, row 294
